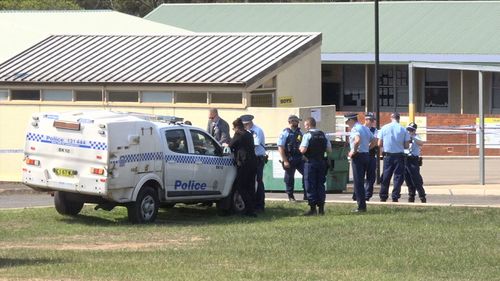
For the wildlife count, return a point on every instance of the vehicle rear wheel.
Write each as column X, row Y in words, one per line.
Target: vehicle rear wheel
column 145, row 208
column 65, row 206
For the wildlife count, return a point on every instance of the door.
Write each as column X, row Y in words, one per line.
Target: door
column 178, row 172
column 210, row 167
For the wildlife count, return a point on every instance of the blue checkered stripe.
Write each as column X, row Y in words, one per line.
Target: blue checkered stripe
column 34, row 137
column 98, row 145
column 138, row 157
column 191, row 159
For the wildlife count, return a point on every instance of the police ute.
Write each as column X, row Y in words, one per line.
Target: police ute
column 135, row 160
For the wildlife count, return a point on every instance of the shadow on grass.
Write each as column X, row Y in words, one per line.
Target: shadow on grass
column 183, row 215
column 14, row 262
column 189, row 215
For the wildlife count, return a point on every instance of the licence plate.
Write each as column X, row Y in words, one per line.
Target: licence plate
column 64, row 172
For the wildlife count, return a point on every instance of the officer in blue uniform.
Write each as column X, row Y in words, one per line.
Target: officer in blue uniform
column 413, row 178
column 260, row 151
column 313, row 146
column 291, row 158
column 360, row 138
column 370, row 123
column 393, row 139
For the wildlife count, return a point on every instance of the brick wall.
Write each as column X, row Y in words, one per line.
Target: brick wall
column 447, row 144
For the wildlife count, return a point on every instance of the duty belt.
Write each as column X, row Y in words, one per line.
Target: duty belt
column 393, row 154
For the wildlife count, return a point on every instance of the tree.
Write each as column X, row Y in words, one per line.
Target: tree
column 39, row 5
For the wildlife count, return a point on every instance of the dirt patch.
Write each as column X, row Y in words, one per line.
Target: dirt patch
column 106, row 246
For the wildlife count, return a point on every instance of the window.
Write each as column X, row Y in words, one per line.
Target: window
column 191, row 97
column 57, row 95
column 393, row 87
column 88, row 96
column 4, row 95
column 160, row 97
column 354, row 85
column 123, row 96
column 203, row 144
column 436, row 89
column 25, row 95
column 233, row 98
column 176, row 140
column 262, row 99
column 495, row 91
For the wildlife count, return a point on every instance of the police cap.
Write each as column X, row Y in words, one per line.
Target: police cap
column 247, row 118
column 411, row 126
column 294, row 118
column 351, row 115
column 370, row 115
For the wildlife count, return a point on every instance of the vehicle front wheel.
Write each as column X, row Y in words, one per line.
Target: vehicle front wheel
column 145, row 207
column 65, row 206
column 231, row 204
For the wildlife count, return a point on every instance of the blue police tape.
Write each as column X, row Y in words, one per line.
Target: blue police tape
column 11, row 151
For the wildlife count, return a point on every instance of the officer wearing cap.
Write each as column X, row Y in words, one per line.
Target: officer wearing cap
column 393, row 139
column 260, row 151
column 413, row 178
column 371, row 124
column 291, row 158
column 360, row 138
column 313, row 146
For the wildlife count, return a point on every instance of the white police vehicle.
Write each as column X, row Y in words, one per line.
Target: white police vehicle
column 129, row 159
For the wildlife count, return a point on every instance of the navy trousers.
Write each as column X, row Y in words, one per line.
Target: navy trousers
column 295, row 165
column 314, row 179
column 359, row 167
column 413, row 178
column 370, row 176
column 260, row 194
column 393, row 164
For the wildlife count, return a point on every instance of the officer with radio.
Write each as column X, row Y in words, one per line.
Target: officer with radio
column 413, row 178
column 291, row 158
column 393, row 139
column 313, row 146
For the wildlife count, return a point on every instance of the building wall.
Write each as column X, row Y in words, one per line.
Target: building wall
column 301, row 80
column 449, row 141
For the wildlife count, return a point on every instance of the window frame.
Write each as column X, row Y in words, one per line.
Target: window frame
column 426, row 109
column 494, row 109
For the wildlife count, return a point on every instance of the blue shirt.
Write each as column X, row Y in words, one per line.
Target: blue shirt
column 307, row 137
column 415, row 149
column 365, row 137
column 393, row 137
column 259, row 140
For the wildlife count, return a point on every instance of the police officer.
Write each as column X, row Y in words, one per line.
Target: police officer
column 413, row 178
column 217, row 127
column 291, row 158
column 394, row 139
column 313, row 146
column 360, row 138
column 260, row 151
column 370, row 123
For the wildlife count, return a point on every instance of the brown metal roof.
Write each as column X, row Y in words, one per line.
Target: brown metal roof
column 172, row 59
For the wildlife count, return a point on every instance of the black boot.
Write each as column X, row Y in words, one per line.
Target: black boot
column 411, row 199
column 321, row 209
column 312, row 211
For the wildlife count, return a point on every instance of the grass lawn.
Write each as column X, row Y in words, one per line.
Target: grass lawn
column 193, row 243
